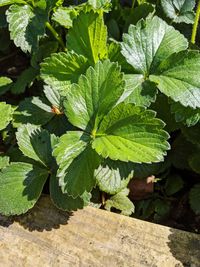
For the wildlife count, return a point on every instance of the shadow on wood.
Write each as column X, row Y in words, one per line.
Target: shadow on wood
column 92, row 237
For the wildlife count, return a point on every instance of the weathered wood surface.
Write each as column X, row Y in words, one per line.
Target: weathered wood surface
column 92, row 237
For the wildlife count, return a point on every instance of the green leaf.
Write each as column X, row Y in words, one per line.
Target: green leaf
column 53, row 96
column 195, row 198
column 20, row 187
column 26, row 26
column 25, row 79
column 130, row 133
column 173, row 184
column 65, row 16
column 186, row 115
column 179, row 10
column 121, row 202
column 77, row 163
column 181, row 72
column 4, row 161
column 149, row 42
column 10, row 2
column 34, row 111
column 113, row 176
column 105, row 5
column 35, row 143
column 88, row 37
column 194, row 162
column 6, row 113
column 94, row 95
column 62, row 200
column 62, row 69
column 5, row 84
column 138, row 91
column 192, row 134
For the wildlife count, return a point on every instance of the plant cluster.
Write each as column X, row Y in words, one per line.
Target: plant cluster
column 95, row 94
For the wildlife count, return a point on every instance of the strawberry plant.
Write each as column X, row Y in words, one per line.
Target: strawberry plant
column 95, row 94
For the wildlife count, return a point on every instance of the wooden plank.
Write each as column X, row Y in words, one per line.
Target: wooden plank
column 91, row 237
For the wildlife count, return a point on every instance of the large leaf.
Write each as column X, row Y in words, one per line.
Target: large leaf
column 26, row 26
column 149, row 42
column 20, row 187
column 130, row 133
column 113, row 176
column 35, row 143
column 94, row 95
column 62, row 200
column 77, row 163
column 88, row 36
column 121, row 202
column 179, row 10
column 62, row 69
column 178, row 78
column 6, row 112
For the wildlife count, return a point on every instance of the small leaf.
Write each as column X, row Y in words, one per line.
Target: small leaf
column 105, row 5
column 6, row 113
column 130, row 133
column 192, row 134
column 53, row 96
column 77, row 163
column 25, row 79
column 195, row 198
column 121, row 202
column 20, row 187
column 94, row 95
column 194, row 162
column 5, row 84
column 65, row 16
column 113, row 176
column 181, row 72
column 34, row 111
column 10, row 2
column 62, row 69
column 63, row 200
column 179, row 10
column 35, row 143
column 173, row 184
column 88, row 37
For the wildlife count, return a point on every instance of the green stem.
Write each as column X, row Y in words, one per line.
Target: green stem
column 56, row 35
column 195, row 26
column 133, row 4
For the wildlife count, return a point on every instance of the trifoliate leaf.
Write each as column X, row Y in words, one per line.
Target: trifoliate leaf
column 5, row 84
column 88, row 37
column 65, row 16
column 26, row 26
column 150, row 42
column 121, row 202
column 194, row 162
column 4, row 161
column 77, row 163
column 34, row 111
column 179, row 10
column 195, row 198
column 63, row 200
column 20, row 185
column 24, row 80
column 6, row 113
column 113, row 176
column 130, row 133
column 181, row 72
column 138, row 91
column 173, row 184
column 186, row 115
column 94, row 95
column 35, row 143
column 62, row 69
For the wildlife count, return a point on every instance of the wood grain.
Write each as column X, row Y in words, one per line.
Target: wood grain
column 90, row 238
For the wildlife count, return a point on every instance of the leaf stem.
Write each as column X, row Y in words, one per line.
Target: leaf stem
column 195, row 26
column 133, row 4
column 56, row 35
